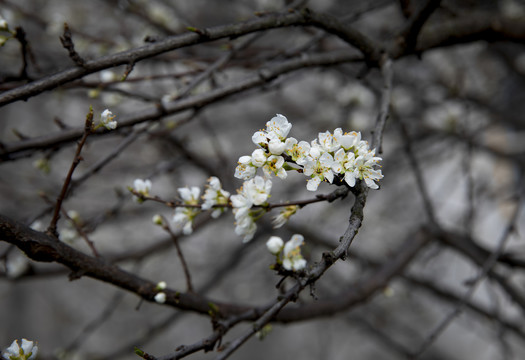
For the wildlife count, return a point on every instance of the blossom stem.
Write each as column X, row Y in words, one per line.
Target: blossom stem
column 185, row 268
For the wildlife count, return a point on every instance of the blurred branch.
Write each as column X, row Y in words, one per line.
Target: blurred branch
column 197, row 36
column 264, row 75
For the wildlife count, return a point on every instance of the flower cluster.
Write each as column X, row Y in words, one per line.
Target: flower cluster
column 289, row 254
column 332, row 154
column 27, row 351
column 337, row 155
column 255, row 191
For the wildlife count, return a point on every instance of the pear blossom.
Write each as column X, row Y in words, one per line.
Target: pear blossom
column 244, row 224
column 274, row 165
column 293, row 260
column 142, row 187
column 276, row 129
column 28, row 351
column 245, row 170
column 161, row 285
column 183, row 218
column 327, row 142
column 276, row 146
column 284, row 215
column 275, row 244
column 363, row 168
column 279, row 126
column 215, row 195
column 347, row 140
column 260, row 138
column 258, row 157
column 106, row 120
column 297, row 151
column 319, row 169
column 160, row 297
column 257, row 190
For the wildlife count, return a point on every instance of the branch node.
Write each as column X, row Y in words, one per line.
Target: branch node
column 67, row 42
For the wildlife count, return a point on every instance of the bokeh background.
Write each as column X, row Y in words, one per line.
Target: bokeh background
column 462, row 107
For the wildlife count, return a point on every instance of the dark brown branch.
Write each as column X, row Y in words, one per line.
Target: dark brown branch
column 410, row 33
column 88, row 128
column 361, row 290
column 44, row 248
column 67, row 42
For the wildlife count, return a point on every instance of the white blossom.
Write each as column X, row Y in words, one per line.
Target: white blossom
column 318, row 169
column 184, row 215
column 106, row 120
column 244, row 223
column 327, row 142
column 297, row 151
column 363, row 168
column 279, row 126
column 292, row 258
column 284, row 215
column 275, row 244
column 215, row 195
column 274, row 165
column 28, row 351
column 160, row 298
column 245, row 170
column 276, row 146
column 347, row 140
column 258, row 158
column 257, row 190
column 142, row 187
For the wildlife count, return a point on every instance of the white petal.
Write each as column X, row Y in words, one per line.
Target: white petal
column 274, row 244
column 313, row 183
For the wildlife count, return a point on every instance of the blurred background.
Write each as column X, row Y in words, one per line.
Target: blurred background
column 461, row 110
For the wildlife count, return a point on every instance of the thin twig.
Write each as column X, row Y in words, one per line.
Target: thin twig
column 88, row 128
column 187, row 275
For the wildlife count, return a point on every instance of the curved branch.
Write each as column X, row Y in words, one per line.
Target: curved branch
column 42, row 247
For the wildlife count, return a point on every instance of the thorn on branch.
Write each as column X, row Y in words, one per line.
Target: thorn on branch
column 129, row 69
column 67, row 42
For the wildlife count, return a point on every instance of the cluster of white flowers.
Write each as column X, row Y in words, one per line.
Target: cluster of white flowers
column 27, row 351
column 255, row 191
column 331, row 154
column 337, row 155
column 289, row 254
